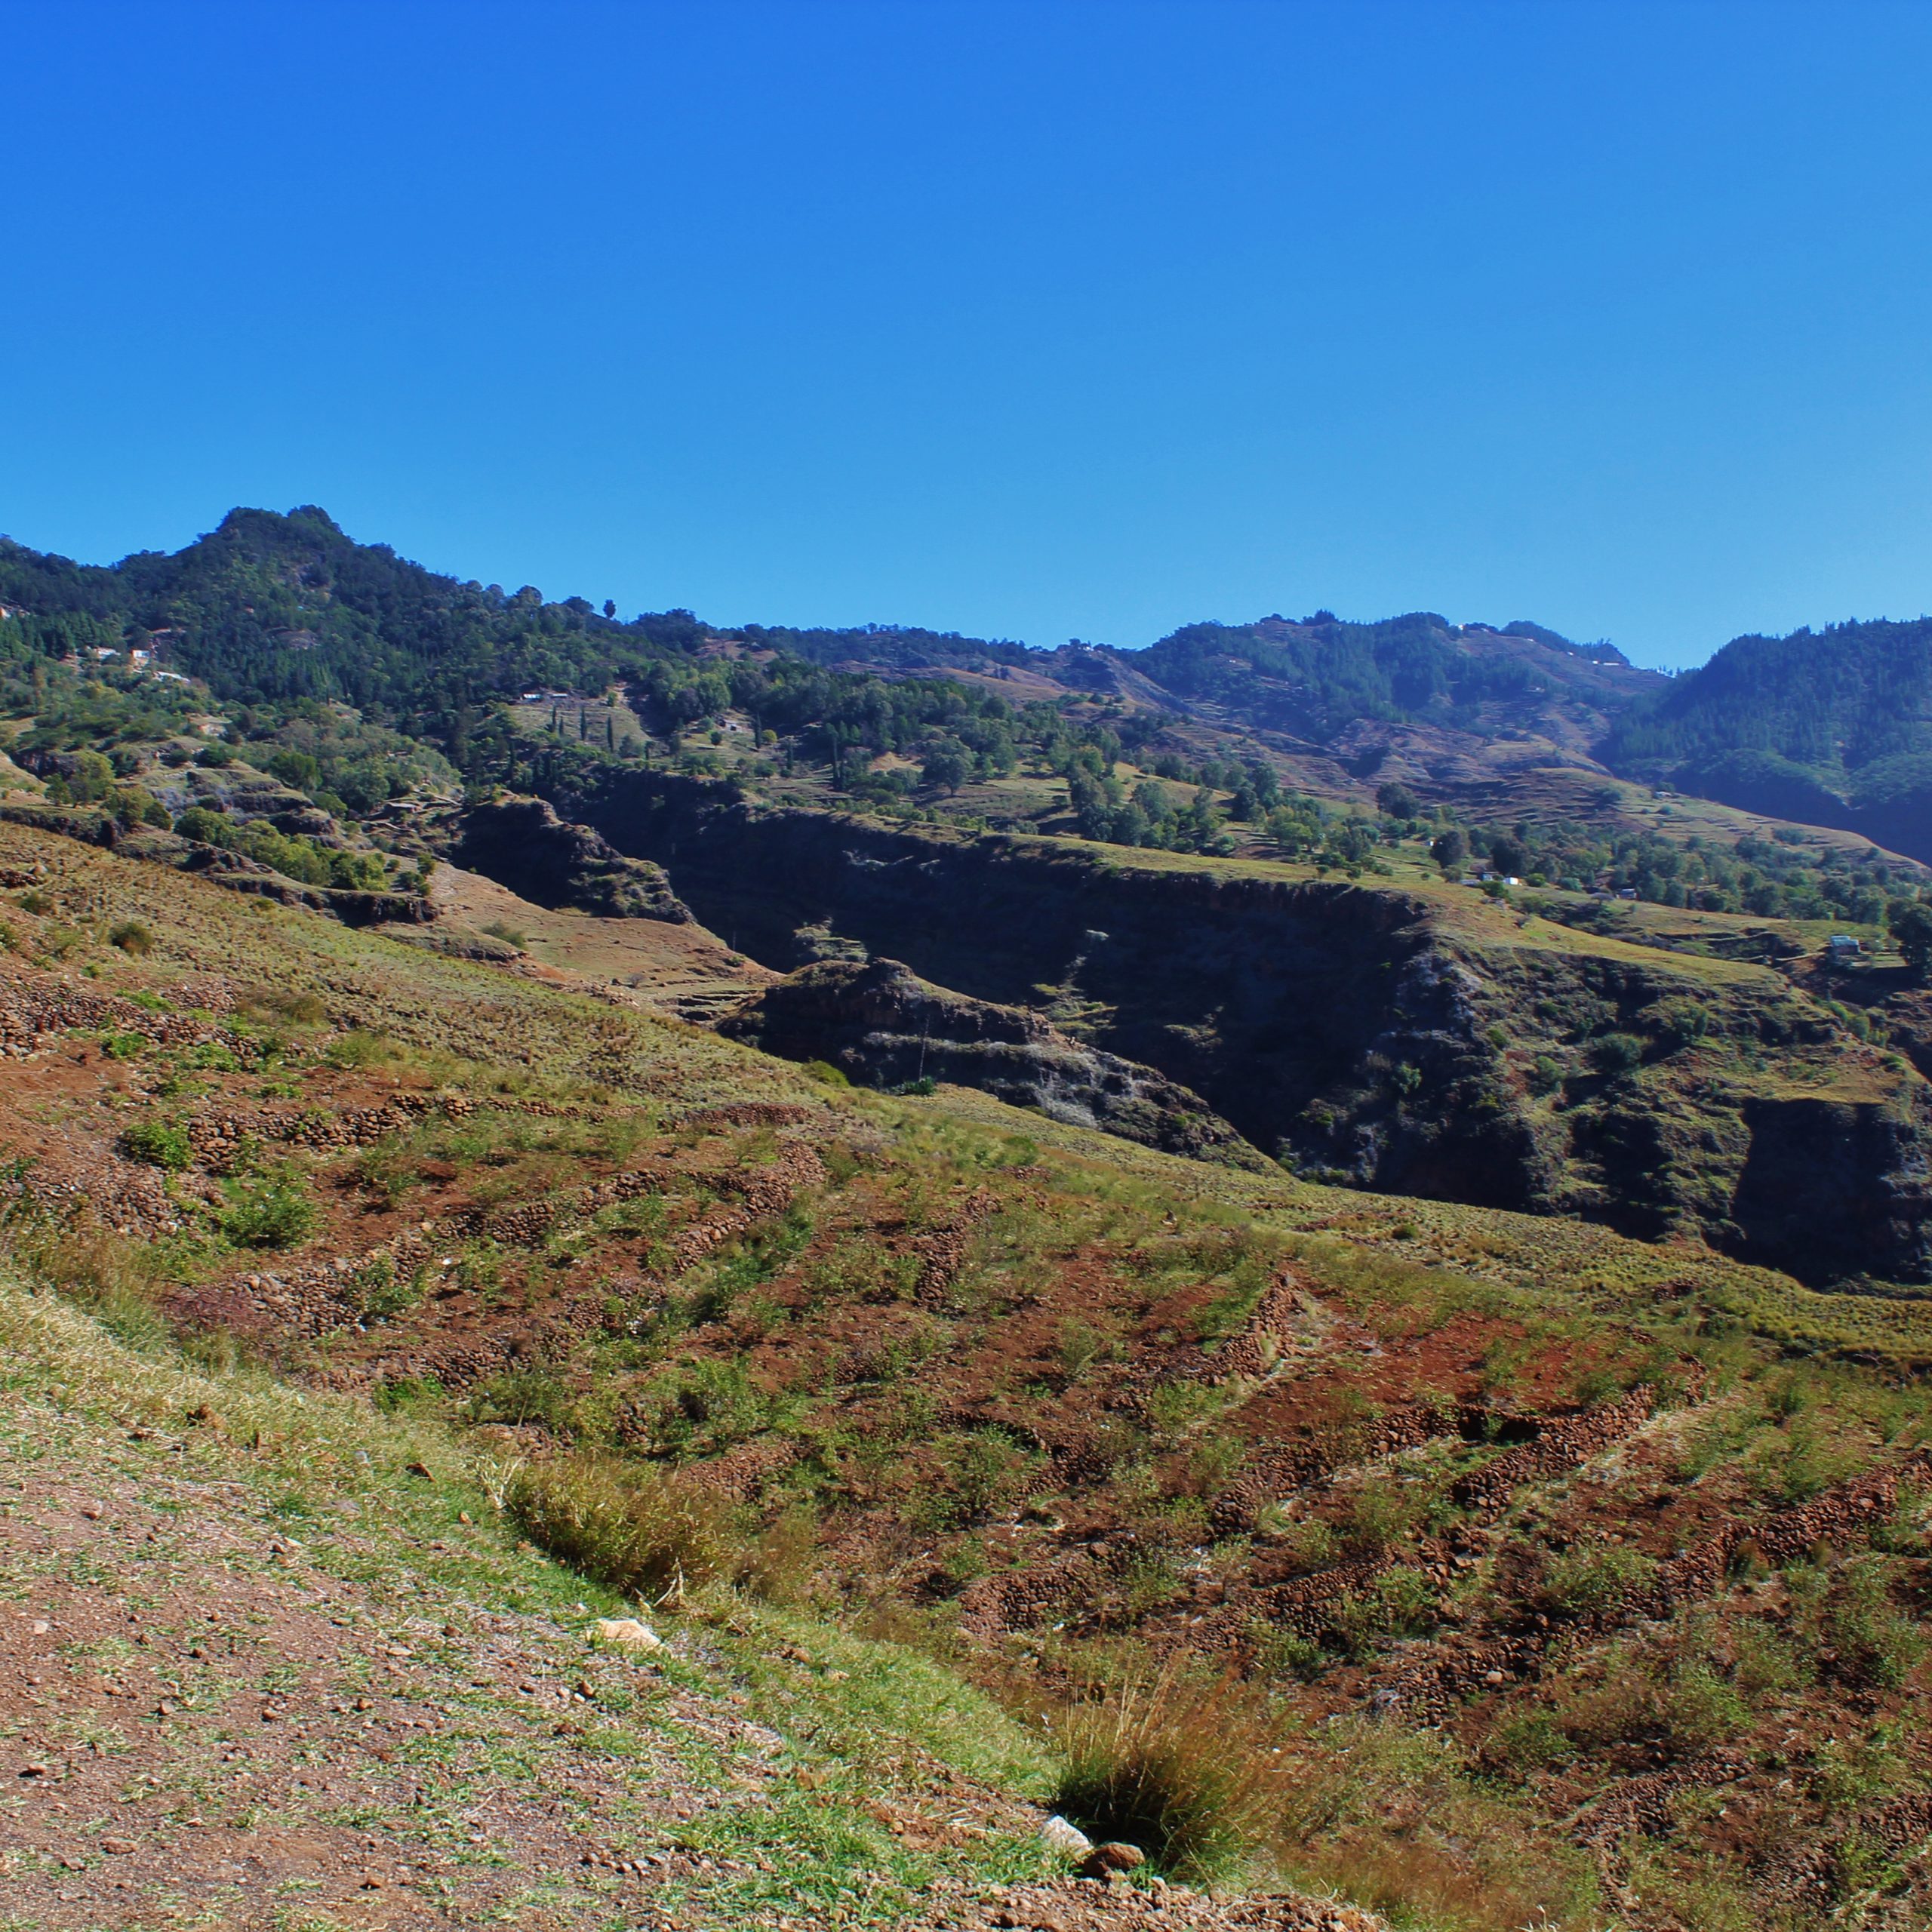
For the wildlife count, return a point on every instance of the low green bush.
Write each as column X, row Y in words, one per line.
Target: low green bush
column 162, row 1144
column 1617, row 1053
column 1592, row 1581
column 276, row 1213
column 1401, row 1602
column 383, row 1291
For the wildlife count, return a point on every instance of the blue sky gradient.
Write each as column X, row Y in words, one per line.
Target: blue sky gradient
column 1038, row 320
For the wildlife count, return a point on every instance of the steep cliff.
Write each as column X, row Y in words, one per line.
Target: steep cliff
column 1374, row 1036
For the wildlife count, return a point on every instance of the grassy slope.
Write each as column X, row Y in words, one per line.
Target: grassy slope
column 140, row 1490
column 1093, row 1288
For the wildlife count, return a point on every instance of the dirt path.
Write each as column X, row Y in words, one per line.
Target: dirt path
column 214, row 1713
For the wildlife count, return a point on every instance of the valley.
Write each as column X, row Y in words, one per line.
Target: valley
column 1252, row 1246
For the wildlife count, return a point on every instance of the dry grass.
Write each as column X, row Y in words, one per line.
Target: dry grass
column 640, row 1534
column 1188, row 1769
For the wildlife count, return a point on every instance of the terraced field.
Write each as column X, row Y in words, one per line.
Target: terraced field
column 1488, row 1569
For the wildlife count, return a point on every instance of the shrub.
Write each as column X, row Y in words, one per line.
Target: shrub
column 824, row 1073
column 1401, row 1602
column 407, row 1395
column 135, row 805
column 388, row 1170
column 1684, row 1706
column 305, row 1009
column 382, row 1291
column 1081, row 1345
column 274, row 1213
column 631, row 1530
column 1589, row 1582
column 162, row 1144
column 1281, row 1652
column 359, row 1048
column 1529, row 1740
column 702, row 1409
column 526, row 1395
column 1853, row 1775
column 1378, row 1513
column 1187, row 1770
column 1308, row 1541
column 981, row 1472
column 1874, row 1641
column 1678, row 1021
column 131, row 936
column 59, row 942
column 1617, row 1053
column 205, row 827
column 1768, row 1664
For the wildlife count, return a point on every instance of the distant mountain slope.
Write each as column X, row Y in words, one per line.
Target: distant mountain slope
column 269, row 608
column 893, row 647
column 1313, row 679
column 1831, row 727
column 275, row 609
column 1317, row 677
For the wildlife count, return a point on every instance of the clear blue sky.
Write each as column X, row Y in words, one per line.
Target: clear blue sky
column 1039, row 321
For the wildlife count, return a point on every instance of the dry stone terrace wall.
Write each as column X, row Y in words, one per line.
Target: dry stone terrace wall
column 1225, row 1617
column 39, row 1009
column 1474, row 1660
column 307, row 1302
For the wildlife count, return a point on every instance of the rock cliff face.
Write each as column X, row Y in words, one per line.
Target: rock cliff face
column 522, row 843
column 879, row 1023
column 1825, row 1179
column 1354, row 1033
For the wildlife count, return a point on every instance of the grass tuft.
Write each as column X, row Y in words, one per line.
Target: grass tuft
column 1185, row 1769
column 633, row 1530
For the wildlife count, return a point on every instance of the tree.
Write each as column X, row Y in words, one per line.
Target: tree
column 1509, row 856
column 1450, row 849
column 1911, row 922
column 1351, row 842
column 946, row 764
column 1395, row 800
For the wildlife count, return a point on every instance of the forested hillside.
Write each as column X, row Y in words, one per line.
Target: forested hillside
column 1831, row 727
column 1317, row 677
column 357, row 674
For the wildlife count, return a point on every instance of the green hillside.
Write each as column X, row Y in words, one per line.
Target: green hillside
column 1831, row 727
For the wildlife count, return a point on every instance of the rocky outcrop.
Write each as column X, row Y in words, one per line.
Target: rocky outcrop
column 240, row 873
column 878, row 1022
column 223, row 867
column 522, row 843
